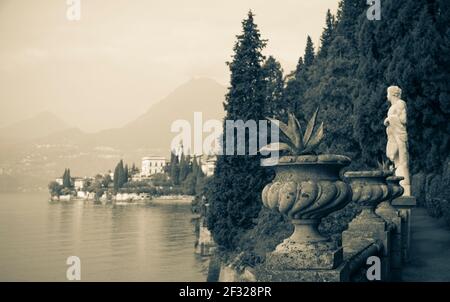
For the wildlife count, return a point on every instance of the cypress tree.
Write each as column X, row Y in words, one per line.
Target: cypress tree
column 174, row 169
column 273, row 76
column 327, row 35
column 125, row 174
column 184, row 168
column 292, row 91
column 67, row 180
column 235, row 191
column 298, row 81
column 195, row 166
column 308, row 58
column 116, row 178
column 330, row 80
column 119, row 176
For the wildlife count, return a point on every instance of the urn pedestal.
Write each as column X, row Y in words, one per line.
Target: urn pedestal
column 404, row 205
column 369, row 190
column 392, row 215
column 307, row 188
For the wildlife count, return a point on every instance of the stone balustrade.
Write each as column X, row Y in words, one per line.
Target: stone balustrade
column 382, row 229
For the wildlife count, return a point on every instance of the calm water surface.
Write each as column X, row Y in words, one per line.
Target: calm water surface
column 114, row 243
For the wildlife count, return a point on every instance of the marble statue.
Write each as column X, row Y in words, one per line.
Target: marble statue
column 397, row 136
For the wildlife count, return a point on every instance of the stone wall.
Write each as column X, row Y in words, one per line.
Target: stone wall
column 386, row 239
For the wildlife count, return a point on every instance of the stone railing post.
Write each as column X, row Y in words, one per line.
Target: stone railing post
column 404, row 204
column 392, row 216
column 369, row 189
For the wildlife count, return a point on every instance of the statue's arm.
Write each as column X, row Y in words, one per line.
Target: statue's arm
column 403, row 115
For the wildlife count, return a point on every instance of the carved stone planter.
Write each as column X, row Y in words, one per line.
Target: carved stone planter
column 394, row 183
column 306, row 188
column 369, row 189
column 385, row 209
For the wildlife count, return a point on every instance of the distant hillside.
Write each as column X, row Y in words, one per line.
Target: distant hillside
column 152, row 129
column 40, row 125
column 41, row 158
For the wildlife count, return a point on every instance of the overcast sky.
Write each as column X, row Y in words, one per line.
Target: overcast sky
column 122, row 56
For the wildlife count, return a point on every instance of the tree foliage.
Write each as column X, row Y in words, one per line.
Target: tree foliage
column 235, row 192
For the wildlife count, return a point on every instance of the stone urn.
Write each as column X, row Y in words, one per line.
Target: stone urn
column 395, row 186
column 369, row 190
column 385, row 209
column 307, row 188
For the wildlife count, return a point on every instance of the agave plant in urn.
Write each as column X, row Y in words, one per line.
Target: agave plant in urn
column 306, row 188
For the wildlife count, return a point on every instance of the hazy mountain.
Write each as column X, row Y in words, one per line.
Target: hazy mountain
column 41, row 158
column 40, row 125
column 152, row 129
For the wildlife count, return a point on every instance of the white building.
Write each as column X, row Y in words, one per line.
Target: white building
column 208, row 164
column 79, row 183
column 152, row 165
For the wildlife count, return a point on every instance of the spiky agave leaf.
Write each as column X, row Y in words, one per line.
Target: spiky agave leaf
column 293, row 124
column 276, row 147
column 286, row 135
column 315, row 140
column 291, row 138
column 310, row 127
column 284, row 128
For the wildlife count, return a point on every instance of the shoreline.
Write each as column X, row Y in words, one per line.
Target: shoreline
column 165, row 199
column 169, row 199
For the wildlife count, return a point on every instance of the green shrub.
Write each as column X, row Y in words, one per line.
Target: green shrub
column 445, row 207
column 433, row 206
column 338, row 221
column 270, row 230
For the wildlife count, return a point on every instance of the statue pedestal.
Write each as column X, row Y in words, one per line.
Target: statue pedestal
column 404, row 204
column 306, row 261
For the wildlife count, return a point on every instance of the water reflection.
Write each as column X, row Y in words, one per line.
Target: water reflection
column 114, row 243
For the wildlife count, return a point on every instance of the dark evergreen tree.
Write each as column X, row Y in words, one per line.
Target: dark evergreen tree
column 330, row 81
column 174, row 169
column 293, row 91
column 273, row 76
column 235, row 192
column 67, row 180
column 184, row 168
column 195, row 166
column 308, row 58
column 119, row 176
column 327, row 35
column 125, row 174
column 406, row 50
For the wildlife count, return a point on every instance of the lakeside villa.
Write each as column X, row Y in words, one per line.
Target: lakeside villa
column 152, row 179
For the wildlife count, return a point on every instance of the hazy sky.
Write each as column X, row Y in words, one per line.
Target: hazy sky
column 122, row 56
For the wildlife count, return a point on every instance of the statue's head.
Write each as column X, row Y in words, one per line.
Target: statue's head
column 394, row 92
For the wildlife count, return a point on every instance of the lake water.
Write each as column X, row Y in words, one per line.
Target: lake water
column 114, row 243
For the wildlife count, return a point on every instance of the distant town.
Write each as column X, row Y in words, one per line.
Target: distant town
column 182, row 176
